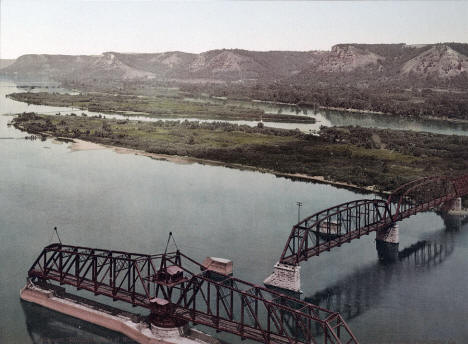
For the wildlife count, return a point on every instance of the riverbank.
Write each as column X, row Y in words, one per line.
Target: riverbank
column 370, row 159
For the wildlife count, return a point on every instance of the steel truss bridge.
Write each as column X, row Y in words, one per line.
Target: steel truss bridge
column 342, row 223
column 176, row 289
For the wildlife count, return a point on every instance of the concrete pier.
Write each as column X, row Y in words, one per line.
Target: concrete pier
column 455, row 208
column 455, row 205
column 140, row 331
column 285, row 277
column 389, row 235
column 387, row 242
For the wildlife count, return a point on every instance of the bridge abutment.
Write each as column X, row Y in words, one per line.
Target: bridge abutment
column 285, row 276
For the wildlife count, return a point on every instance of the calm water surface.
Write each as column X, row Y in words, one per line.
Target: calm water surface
column 119, row 201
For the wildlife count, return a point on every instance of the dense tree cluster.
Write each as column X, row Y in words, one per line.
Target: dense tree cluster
column 414, row 102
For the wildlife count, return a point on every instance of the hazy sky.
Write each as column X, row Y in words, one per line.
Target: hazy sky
column 92, row 27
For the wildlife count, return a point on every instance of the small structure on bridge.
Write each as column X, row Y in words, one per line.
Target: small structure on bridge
column 220, row 266
column 329, row 230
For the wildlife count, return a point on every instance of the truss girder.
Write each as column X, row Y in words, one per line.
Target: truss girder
column 227, row 304
column 342, row 223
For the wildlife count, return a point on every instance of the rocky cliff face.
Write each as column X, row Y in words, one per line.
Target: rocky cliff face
column 440, row 61
column 351, row 63
column 347, row 58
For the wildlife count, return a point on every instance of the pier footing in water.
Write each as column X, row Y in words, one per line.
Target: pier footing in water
column 387, row 252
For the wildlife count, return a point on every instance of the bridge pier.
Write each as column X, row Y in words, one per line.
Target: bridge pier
column 452, row 207
column 389, row 235
column 387, row 242
column 453, row 214
column 286, row 277
column 161, row 315
column 455, row 205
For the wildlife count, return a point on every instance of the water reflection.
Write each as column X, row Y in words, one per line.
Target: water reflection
column 363, row 289
column 454, row 222
column 366, row 288
column 47, row 326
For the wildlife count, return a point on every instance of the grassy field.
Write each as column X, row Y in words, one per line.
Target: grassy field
column 359, row 156
column 155, row 106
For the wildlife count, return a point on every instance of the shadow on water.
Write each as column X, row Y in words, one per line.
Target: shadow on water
column 47, row 326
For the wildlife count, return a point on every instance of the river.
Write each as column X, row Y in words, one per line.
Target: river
column 101, row 198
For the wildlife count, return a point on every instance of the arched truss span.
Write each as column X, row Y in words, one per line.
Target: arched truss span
column 347, row 221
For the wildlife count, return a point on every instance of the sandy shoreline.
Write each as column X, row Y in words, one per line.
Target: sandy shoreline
column 82, row 145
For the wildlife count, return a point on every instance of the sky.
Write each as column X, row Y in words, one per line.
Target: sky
column 93, row 26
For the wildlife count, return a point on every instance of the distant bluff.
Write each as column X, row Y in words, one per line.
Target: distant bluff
column 431, row 64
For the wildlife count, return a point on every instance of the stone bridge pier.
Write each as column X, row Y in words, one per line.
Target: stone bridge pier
column 454, row 206
column 453, row 214
column 389, row 235
column 386, row 242
column 286, row 277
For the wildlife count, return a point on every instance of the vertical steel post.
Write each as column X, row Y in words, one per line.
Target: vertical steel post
column 61, row 266
column 94, row 274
